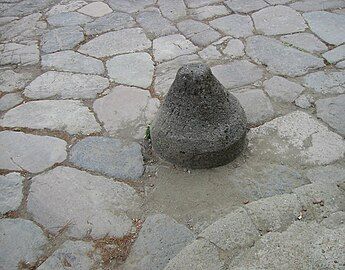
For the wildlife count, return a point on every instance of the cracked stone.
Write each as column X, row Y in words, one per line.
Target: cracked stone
column 172, row 9
column 96, row 9
column 208, row 12
column 331, row 82
column 130, row 6
column 11, row 81
column 9, row 101
column 335, row 55
column 68, row 19
column 305, row 41
column 234, row 25
column 245, row 6
column 19, row 54
column 11, row 195
column 234, row 48
column 282, row 89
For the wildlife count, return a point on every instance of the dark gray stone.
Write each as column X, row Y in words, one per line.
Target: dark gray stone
column 199, row 125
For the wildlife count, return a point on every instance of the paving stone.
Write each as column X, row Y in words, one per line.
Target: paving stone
column 66, row 6
column 112, row 157
column 9, row 101
column 237, row 73
column 72, row 61
column 305, row 41
column 278, row 2
column 19, row 54
column 314, row 5
column 334, row 221
column 330, row 174
column 160, row 239
column 134, row 69
column 234, row 25
column 199, row 3
column 20, row 151
column 97, row 206
column 111, row 22
column 117, row 42
column 62, row 38
column 172, row 9
column 11, row 81
column 331, row 82
column 208, row 12
column 303, row 102
column 96, row 9
column 71, row 254
column 282, row 89
column 6, row 20
column 66, row 115
column 332, row 111
column 68, row 19
column 256, row 105
column 284, row 139
column 11, row 186
column 155, row 24
column 335, row 55
column 169, row 47
column 279, row 58
column 210, row 53
column 20, row 241
column 330, row 27
column 129, row 6
column 234, row 48
column 126, row 111
column 27, row 7
column 340, row 64
column 245, row 6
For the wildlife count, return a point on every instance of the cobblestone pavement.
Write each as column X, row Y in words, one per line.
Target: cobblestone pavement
column 80, row 188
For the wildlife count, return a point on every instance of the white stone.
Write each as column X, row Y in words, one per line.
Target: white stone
column 11, row 195
column 305, row 41
column 96, row 9
column 234, row 25
column 234, row 48
column 19, row 54
column 282, row 89
column 11, row 81
column 335, row 55
column 9, row 101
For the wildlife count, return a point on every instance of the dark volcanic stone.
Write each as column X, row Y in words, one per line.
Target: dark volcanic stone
column 199, row 125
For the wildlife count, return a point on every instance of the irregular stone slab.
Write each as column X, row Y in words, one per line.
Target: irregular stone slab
column 72, row 61
column 256, row 105
column 160, row 239
column 65, row 85
column 6, row 20
column 117, row 42
column 330, row 27
column 130, row 6
column 109, row 156
column 9, row 101
column 335, row 55
column 133, row 69
column 26, row 7
column 279, row 58
column 282, row 89
column 208, row 12
column 20, row 241
column 305, row 41
column 234, row 25
column 68, row 19
column 334, row 221
column 97, row 206
column 65, row 115
column 210, row 53
column 332, row 111
column 199, row 3
column 11, row 186
column 278, row 20
column 234, row 48
column 331, row 174
column 63, row 38
column 172, row 9
column 303, row 102
column 289, row 133
column 169, row 47
column 245, row 6
column 66, row 7
column 199, row 33
column 237, row 73
column 278, row 2
column 95, row 9
column 314, row 5
column 71, row 254
column 331, row 82
column 340, row 64
column 20, row 151
column 19, row 54
column 126, row 111
column 111, row 22
column 11, row 81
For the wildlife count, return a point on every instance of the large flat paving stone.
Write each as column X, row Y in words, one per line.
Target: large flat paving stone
column 305, row 41
column 199, row 3
column 172, row 9
column 26, row 7
column 19, row 54
column 113, row 157
column 66, row 7
column 11, row 81
column 279, row 58
column 234, row 25
column 208, row 12
column 326, row 82
column 95, row 9
column 81, row 203
column 65, row 115
column 9, row 101
column 68, row 19
column 330, row 174
column 129, row 6
column 11, row 192
column 315, row 5
column 20, row 151
column 335, row 55
column 245, row 6
column 282, row 89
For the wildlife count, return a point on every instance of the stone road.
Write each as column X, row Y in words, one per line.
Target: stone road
column 80, row 188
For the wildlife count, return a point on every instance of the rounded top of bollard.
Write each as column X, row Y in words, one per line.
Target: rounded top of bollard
column 194, row 72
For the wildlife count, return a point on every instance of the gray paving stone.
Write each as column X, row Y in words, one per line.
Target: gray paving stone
column 256, row 105
column 237, row 73
column 66, row 115
column 117, row 42
column 169, row 47
column 9, row 101
column 282, row 89
column 234, row 48
column 19, row 54
column 335, row 55
column 340, row 64
column 331, row 174
column 68, row 19
column 172, row 9
column 134, row 69
column 208, row 12
column 245, row 6
column 126, row 111
column 97, row 206
column 96, row 9
column 20, row 151
column 334, row 221
column 11, row 195
column 72, row 61
column 210, row 53
column 112, row 157
column 129, row 6
column 65, row 85
column 331, row 82
column 160, row 239
column 303, row 101
column 199, row 3
column 278, row 2
column 279, row 58
column 66, row 6
column 6, row 20
column 11, row 81
column 330, row 27
column 62, row 38
column 305, row 41
column 315, row 5
column 234, row 25
column 27, row 7
column 332, row 111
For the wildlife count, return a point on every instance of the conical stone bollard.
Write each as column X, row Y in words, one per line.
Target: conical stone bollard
column 199, row 125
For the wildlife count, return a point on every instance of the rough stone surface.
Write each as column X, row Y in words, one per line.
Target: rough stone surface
column 245, row 6
column 279, row 58
column 65, row 115
column 305, row 41
column 341, row 64
column 20, row 54
column 199, row 3
column 129, row 6
column 68, row 19
column 208, row 12
column 112, row 157
column 234, row 25
column 335, row 55
column 172, row 9
column 20, row 151
column 214, row 124
column 234, row 48
column 11, row 81
column 9, row 101
column 66, row 7
column 210, row 53
column 282, row 89
column 97, row 206
column 95, row 9
column 11, row 186
column 314, row 5
column 326, row 82
column 303, row 102
column 20, row 241
column 331, row 174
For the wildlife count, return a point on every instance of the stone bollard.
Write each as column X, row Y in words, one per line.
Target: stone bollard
column 199, row 124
